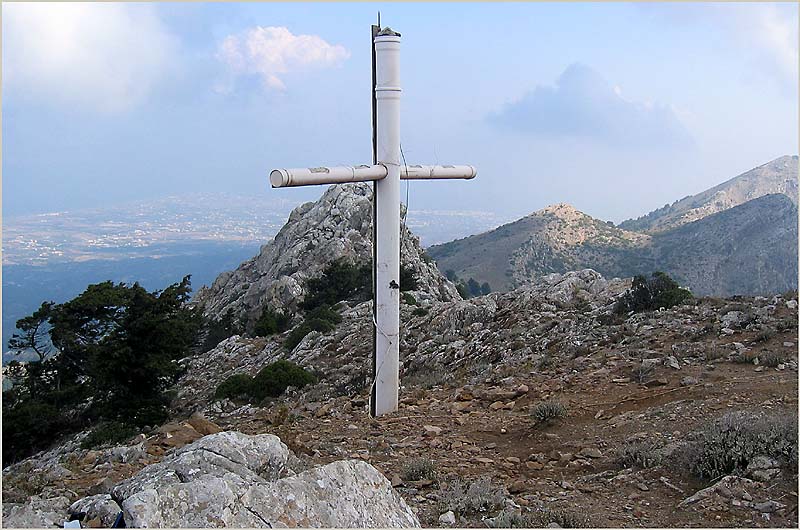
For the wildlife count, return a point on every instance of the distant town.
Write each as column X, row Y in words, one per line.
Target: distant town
column 133, row 230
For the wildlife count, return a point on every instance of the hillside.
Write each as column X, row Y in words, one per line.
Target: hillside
column 558, row 238
column 639, row 394
column 777, row 176
column 748, row 249
column 720, row 248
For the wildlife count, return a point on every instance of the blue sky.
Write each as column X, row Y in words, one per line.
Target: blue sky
column 614, row 108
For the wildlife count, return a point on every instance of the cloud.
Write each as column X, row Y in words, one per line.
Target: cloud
column 765, row 35
column 108, row 56
column 271, row 52
column 583, row 105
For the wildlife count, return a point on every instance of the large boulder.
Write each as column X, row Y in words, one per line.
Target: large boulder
column 231, row 479
column 36, row 513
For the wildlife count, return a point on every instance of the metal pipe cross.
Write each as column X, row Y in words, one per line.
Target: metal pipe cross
column 386, row 174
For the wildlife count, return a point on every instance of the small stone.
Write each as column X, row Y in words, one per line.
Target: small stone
column 448, row 518
column 642, row 486
column 534, row 466
column 497, row 405
column 768, row 506
column 431, row 430
column 202, row 425
column 791, row 304
column 689, row 381
column 590, row 452
column 661, row 381
column 517, row 487
column 788, row 344
column 672, row 362
column 513, row 459
column 522, row 389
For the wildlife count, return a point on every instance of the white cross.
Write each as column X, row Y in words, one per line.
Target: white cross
column 386, row 172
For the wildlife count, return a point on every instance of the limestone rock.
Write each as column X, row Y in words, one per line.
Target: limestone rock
column 100, row 507
column 231, row 479
column 36, row 513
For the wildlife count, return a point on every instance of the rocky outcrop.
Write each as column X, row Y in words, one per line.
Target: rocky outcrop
column 338, row 225
column 450, row 334
column 231, row 479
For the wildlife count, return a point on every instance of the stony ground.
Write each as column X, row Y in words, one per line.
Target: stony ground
column 656, row 377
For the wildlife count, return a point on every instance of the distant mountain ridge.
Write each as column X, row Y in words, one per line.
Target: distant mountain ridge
column 777, row 176
column 737, row 238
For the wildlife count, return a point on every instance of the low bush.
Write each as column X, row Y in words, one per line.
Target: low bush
column 649, row 294
column 419, row 469
column 563, row 517
column 772, row 358
column 419, row 312
column 271, row 322
column 321, row 318
column 108, row 433
column 273, row 379
column 470, row 498
column 409, row 299
column 237, row 386
column 730, row 442
column 642, row 454
column 550, row 411
column 270, row 381
column 340, row 280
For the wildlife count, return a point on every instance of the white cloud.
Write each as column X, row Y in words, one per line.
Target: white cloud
column 271, row 52
column 108, row 56
column 584, row 105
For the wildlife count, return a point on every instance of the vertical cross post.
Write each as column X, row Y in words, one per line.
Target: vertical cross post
column 386, row 382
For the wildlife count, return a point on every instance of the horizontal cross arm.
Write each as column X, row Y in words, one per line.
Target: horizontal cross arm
column 437, row 172
column 283, row 178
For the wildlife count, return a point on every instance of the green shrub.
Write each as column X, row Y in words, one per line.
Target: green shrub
column 237, row 386
column 274, row 378
column 419, row 312
column 419, row 469
column 409, row 299
column 296, row 335
column 322, row 318
column 340, row 280
column 408, row 278
column 643, row 454
column 730, row 442
column 271, row 322
column 549, row 411
column 221, row 329
column 108, row 433
column 28, row 427
column 649, row 294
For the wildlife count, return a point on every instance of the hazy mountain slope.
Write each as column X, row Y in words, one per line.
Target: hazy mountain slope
column 777, row 176
column 558, row 238
column 748, row 249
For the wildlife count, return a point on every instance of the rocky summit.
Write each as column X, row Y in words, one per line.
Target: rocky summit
column 338, row 225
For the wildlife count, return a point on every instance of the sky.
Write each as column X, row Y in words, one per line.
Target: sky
column 614, row 108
